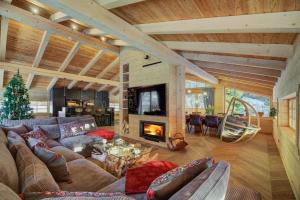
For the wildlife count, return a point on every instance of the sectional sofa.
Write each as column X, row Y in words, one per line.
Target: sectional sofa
column 23, row 172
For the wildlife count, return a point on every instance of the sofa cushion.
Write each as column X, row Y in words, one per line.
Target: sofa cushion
column 52, row 143
column 33, row 142
column 36, row 133
column 7, row 194
column 8, row 170
column 167, row 184
column 3, row 137
column 20, row 129
column 138, row 179
column 102, row 133
column 63, row 120
column 209, row 185
column 89, row 124
column 33, row 173
column 80, row 140
column 68, row 154
column 86, row 176
column 71, row 129
column 55, row 162
column 51, row 131
column 66, row 195
column 29, row 123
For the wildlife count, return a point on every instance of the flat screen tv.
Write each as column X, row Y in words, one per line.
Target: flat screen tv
column 150, row 100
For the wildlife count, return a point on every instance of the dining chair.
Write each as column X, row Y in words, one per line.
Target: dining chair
column 196, row 122
column 211, row 121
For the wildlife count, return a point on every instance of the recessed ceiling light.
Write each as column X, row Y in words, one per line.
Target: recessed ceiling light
column 74, row 26
column 35, row 11
column 103, row 38
column 189, row 91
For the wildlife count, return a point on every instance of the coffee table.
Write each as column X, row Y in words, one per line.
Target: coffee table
column 117, row 155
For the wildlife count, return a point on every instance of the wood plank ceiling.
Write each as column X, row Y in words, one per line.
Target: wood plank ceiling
column 231, row 67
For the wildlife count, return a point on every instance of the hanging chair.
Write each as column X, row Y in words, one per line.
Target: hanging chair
column 238, row 127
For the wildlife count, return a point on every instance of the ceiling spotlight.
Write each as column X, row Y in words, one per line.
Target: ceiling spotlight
column 74, row 26
column 35, row 11
column 189, row 91
column 103, row 38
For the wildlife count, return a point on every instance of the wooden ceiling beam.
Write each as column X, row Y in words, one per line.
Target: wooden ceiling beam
column 239, row 68
column 88, row 66
column 252, row 62
column 59, row 17
column 96, row 16
column 114, row 91
column 110, row 4
column 65, row 64
column 115, row 77
column 103, row 72
column 36, row 21
column 27, row 68
column 3, row 42
column 273, row 50
column 38, row 56
column 280, row 22
column 242, row 75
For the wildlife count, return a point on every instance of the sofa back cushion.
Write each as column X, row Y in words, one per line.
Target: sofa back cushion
column 64, row 120
column 7, row 194
column 29, row 123
column 8, row 169
column 211, row 184
column 3, row 137
column 51, row 131
column 33, row 173
column 20, row 129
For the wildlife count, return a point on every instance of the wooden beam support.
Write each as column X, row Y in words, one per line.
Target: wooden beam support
column 252, row 62
column 280, row 22
column 103, row 72
column 238, row 68
column 98, row 17
column 59, row 17
column 27, row 68
column 273, row 50
column 38, row 56
column 65, row 64
column 93, row 32
column 110, row 4
column 113, row 91
column 242, row 75
column 88, row 67
column 3, row 42
column 115, row 77
column 42, row 23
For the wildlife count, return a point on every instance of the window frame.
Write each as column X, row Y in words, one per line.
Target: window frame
column 292, row 113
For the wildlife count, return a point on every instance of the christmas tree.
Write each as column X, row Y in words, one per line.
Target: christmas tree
column 16, row 103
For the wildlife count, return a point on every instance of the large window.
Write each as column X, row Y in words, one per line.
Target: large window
column 39, row 106
column 260, row 103
column 116, row 106
column 194, row 101
column 292, row 113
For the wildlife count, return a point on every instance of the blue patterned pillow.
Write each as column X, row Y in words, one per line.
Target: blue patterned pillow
column 71, row 129
column 164, row 186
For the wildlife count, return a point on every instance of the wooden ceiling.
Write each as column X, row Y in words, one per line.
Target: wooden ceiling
column 23, row 41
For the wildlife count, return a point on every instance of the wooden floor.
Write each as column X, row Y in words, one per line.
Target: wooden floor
column 255, row 164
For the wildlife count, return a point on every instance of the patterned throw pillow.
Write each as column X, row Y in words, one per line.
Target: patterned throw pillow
column 35, row 137
column 51, row 131
column 89, row 124
column 71, row 129
column 169, row 183
column 55, row 162
column 76, row 195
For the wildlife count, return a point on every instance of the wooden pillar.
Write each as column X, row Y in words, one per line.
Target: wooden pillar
column 180, row 99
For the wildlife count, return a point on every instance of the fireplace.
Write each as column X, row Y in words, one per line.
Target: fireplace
column 154, row 131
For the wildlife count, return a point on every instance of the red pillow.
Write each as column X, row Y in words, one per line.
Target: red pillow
column 139, row 179
column 102, row 133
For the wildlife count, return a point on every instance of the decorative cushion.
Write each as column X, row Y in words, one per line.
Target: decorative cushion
column 36, row 133
column 51, row 131
column 34, row 175
column 3, row 137
column 20, row 129
column 14, row 135
column 89, row 123
column 33, row 142
column 139, row 179
column 169, row 183
column 75, row 195
column 29, row 123
column 210, row 184
column 71, row 129
column 7, row 194
column 102, row 133
column 55, row 162
column 8, row 170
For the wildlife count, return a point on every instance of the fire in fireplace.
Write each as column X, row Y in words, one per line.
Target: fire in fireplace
column 154, row 131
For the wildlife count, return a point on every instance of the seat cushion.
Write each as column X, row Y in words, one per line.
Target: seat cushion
column 7, row 194
column 211, row 184
column 68, row 154
column 51, row 131
column 138, row 179
column 80, row 140
column 33, row 173
column 169, row 183
column 86, row 176
column 8, row 169
column 102, row 133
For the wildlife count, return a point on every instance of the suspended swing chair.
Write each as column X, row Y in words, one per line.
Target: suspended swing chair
column 238, row 127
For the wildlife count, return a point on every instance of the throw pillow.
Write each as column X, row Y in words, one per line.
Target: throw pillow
column 33, row 142
column 55, row 162
column 20, row 129
column 51, row 131
column 169, row 183
column 36, row 133
column 89, row 124
column 139, row 179
column 75, row 195
column 71, row 129
column 102, row 133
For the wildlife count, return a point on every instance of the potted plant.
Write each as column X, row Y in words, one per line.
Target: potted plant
column 273, row 112
column 210, row 109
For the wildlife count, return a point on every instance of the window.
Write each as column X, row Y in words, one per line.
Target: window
column 292, row 113
column 260, row 103
column 194, row 101
column 115, row 106
column 39, row 106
